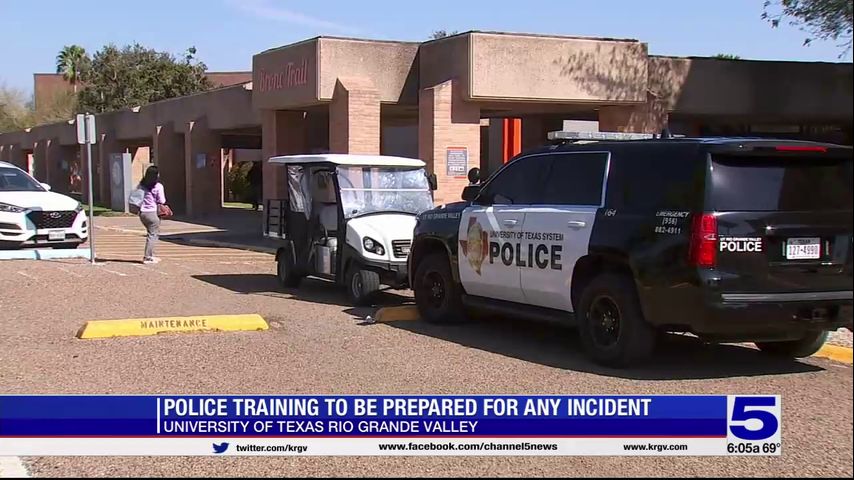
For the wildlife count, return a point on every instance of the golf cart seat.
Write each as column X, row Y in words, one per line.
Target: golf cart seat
column 325, row 202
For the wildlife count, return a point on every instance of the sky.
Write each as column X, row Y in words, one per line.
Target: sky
column 226, row 33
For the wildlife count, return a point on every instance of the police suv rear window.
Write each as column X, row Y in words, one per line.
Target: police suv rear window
column 784, row 184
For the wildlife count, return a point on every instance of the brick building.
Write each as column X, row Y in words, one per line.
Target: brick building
column 473, row 99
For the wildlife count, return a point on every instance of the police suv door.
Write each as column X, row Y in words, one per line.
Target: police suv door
column 490, row 228
column 558, row 227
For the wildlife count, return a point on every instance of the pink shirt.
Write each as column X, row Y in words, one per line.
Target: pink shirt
column 152, row 198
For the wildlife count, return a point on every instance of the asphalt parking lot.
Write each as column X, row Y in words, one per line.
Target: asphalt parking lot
column 317, row 343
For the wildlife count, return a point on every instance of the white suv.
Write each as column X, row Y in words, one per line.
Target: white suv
column 33, row 216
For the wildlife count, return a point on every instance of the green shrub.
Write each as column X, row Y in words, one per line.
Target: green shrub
column 238, row 182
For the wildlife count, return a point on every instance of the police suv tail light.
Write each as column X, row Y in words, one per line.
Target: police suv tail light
column 704, row 240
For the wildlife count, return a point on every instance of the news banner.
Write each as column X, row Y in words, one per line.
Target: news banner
column 331, row 425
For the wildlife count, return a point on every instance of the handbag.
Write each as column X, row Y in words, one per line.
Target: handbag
column 135, row 200
column 163, row 211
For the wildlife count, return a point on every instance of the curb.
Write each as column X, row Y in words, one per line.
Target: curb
column 221, row 244
column 835, row 352
column 134, row 327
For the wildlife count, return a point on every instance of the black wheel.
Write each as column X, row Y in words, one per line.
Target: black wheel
column 285, row 269
column 611, row 324
column 65, row 246
column 804, row 347
column 361, row 285
column 436, row 294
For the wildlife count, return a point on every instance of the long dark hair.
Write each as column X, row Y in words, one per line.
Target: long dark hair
column 149, row 180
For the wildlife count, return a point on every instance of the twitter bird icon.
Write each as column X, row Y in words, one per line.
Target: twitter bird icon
column 220, row 447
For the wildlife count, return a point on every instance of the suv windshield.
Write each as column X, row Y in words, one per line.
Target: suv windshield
column 14, row 180
column 784, row 184
column 367, row 190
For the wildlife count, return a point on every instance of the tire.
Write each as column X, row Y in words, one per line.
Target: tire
column 286, row 270
column 361, row 285
column 804, row 347
column 437, row 296
column 65, row 246
column 610, row 322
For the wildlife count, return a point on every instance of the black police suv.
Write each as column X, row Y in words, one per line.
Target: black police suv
column 730, row 239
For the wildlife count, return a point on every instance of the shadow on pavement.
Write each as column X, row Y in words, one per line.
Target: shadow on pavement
column 677, row 357
column 310, row 290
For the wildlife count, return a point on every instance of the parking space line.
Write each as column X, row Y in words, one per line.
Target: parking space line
column 113, row 271
column 12, row 467
column 70, row 272
column 142, row 267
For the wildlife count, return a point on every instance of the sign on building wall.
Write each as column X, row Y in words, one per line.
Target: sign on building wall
column 457, row 161
column 201, row 160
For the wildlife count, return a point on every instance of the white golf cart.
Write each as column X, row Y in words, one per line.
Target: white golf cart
column 348, row 218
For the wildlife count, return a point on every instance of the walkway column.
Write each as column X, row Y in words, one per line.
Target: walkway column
column 283, row 133
column 354, row 117
column 448, row 137
column 168, row 149
column 536, row 128
column 203, row 157
column 101, row 151
column 40, row 171
column 650, row 117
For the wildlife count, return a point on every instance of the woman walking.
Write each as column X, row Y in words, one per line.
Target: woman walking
column 150, row 209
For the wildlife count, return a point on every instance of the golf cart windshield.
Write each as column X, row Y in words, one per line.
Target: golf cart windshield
column 366, row 190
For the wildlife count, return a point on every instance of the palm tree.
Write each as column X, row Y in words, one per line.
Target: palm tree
column 71, row 62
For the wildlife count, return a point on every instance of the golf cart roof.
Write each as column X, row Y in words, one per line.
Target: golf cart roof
column 344, row 159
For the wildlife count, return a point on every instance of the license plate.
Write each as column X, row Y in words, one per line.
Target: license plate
column 803, row 249
column 56, row 235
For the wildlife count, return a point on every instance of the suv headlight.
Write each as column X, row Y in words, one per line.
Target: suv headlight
column 373, row 246
column 79, row 208
column 5, row 207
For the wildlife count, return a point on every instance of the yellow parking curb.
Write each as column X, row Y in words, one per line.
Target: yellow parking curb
column 153, row 326
column 397, row 314
column 835, row 352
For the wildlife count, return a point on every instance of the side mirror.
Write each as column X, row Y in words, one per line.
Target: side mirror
column 470, row 192
column 434, row 183
column 474, row 175
column 46, row 186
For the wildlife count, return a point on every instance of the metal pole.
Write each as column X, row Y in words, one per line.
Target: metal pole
column 91, row 196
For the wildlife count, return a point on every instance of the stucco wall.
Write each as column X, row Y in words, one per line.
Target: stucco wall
column 780, row 90
column 390, row 66
column 528, row 67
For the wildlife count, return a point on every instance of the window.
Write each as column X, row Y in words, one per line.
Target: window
column 14, row 180
column 575, row 179
column 644, row 179
column 518, row 183
column 787, row 184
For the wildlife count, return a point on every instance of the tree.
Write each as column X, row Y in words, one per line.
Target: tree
column 72, row 63
column 135, row 75
column 821, row 19
column 727, row 56
column 17, row 112
column 14, row 111
column 437, row 34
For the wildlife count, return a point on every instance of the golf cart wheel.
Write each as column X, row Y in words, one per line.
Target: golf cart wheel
column 610, row 322
column 285, row 269
column 361, row 285
column 804, row 347
column 436, row 294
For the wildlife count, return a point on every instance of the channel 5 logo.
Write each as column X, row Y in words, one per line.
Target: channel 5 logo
column 753, row 418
